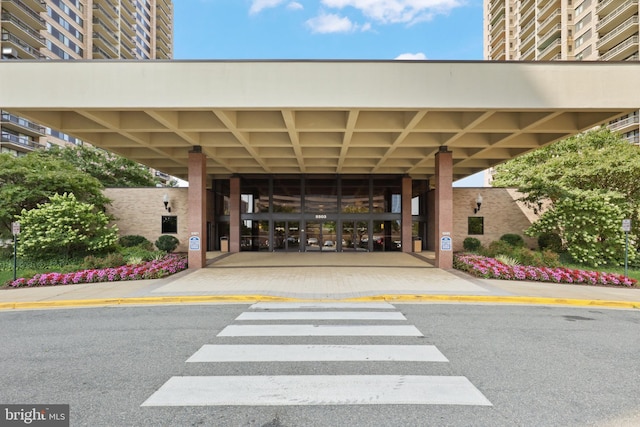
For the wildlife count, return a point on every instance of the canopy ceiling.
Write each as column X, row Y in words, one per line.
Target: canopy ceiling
column 313, row 117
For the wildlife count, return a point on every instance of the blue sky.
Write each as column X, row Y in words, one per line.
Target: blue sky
column 329, row 29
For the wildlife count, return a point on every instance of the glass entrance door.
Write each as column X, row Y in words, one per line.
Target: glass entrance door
column 321, row 236
column 355, row 236
column 286, row 236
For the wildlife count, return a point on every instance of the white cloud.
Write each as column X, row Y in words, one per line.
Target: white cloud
column 411, row 57
column 258, row 5
column 330, row 23
column 294, row 5
column 396, row 11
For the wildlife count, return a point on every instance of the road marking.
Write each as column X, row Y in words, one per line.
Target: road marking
column 319, row 330
column 321, row 305
column 317, row 353
column 324, row 315
column 317, row 390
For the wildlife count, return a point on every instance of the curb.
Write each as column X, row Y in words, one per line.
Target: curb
column 239, row 299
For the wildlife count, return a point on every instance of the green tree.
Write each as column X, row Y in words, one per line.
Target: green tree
column 30, row 180
column 584, row 186
column 110, row 169
column 65, row 226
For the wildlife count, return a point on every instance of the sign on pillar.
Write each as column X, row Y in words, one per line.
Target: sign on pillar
column 446, row 244
column 194, row 243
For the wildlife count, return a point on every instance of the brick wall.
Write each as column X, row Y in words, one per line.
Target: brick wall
column 140, row 211
column 501, row 213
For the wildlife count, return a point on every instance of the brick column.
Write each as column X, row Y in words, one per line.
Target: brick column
column 197, row 208
column 407, row 237
column 234, row 215
column 444, row 209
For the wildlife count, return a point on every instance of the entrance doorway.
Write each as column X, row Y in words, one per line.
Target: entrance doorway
column 321, row 236
column 286, row 236
column 355, row 236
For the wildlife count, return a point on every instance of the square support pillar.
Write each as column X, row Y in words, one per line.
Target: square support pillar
column 407, row 223
column 197, row 209
column 234, row 215
column 444, row 209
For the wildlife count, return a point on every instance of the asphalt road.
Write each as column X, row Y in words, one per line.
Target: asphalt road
column 537, row 366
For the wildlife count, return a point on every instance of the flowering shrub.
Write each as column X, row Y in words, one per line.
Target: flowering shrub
column 490, row 268
column 156, row 269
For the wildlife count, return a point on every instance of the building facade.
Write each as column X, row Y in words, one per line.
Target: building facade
column 360, row 225
column 572, row 30
column 77, row 30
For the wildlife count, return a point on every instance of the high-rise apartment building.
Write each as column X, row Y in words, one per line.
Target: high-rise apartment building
column 77, row 30
column 553, row 30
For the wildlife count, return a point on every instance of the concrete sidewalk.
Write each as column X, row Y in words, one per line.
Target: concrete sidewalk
column 248, row 277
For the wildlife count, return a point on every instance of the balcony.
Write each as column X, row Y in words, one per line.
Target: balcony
column 18, row 143
column 634, row 139
column 548, row 10
column 626, row 29
column 528, row 42
column 163, row 42
column 622, row 51
column 527, row 15
column 550, row 51
column 26, row 14
column 526, row 4
column 495, row 6
column 164, row 9
column 497, row 48
column 99, row 53
column 526, row 29
column 625, row 125
column 606, row 6
column 128, row 5
column 105, row 44
column 14, row 25
column 554, row 18
column 618, row 16
column 498, row 27
column 127, row 28
column 25, row 50
column 529, row 55
column 550, row 36
column 162, row 53
column 21, row 125
column 101, row 14
column 127, row 42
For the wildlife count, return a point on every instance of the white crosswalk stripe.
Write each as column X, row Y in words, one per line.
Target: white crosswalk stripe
column 318, row 390
column 286, row 390
column 322, row 315
column 317, row 353
column 319, row 331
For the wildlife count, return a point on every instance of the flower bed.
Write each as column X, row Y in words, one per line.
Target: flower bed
column 489, row 268
column 147, row 270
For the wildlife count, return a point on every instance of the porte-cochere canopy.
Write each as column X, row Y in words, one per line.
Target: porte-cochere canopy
column 319, row 117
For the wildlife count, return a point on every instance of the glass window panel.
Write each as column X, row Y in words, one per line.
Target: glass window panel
column 255, row 196
column 355, row 196
column 476, row 225
column 287, row 196
column 169, row 224
column 321, row 196
column 387, row 195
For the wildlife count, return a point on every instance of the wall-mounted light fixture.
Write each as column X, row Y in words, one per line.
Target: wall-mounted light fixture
column 478, row 204
column 165, row 200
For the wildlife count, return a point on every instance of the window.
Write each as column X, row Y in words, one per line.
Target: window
column 169, row 224
column 475, row 225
